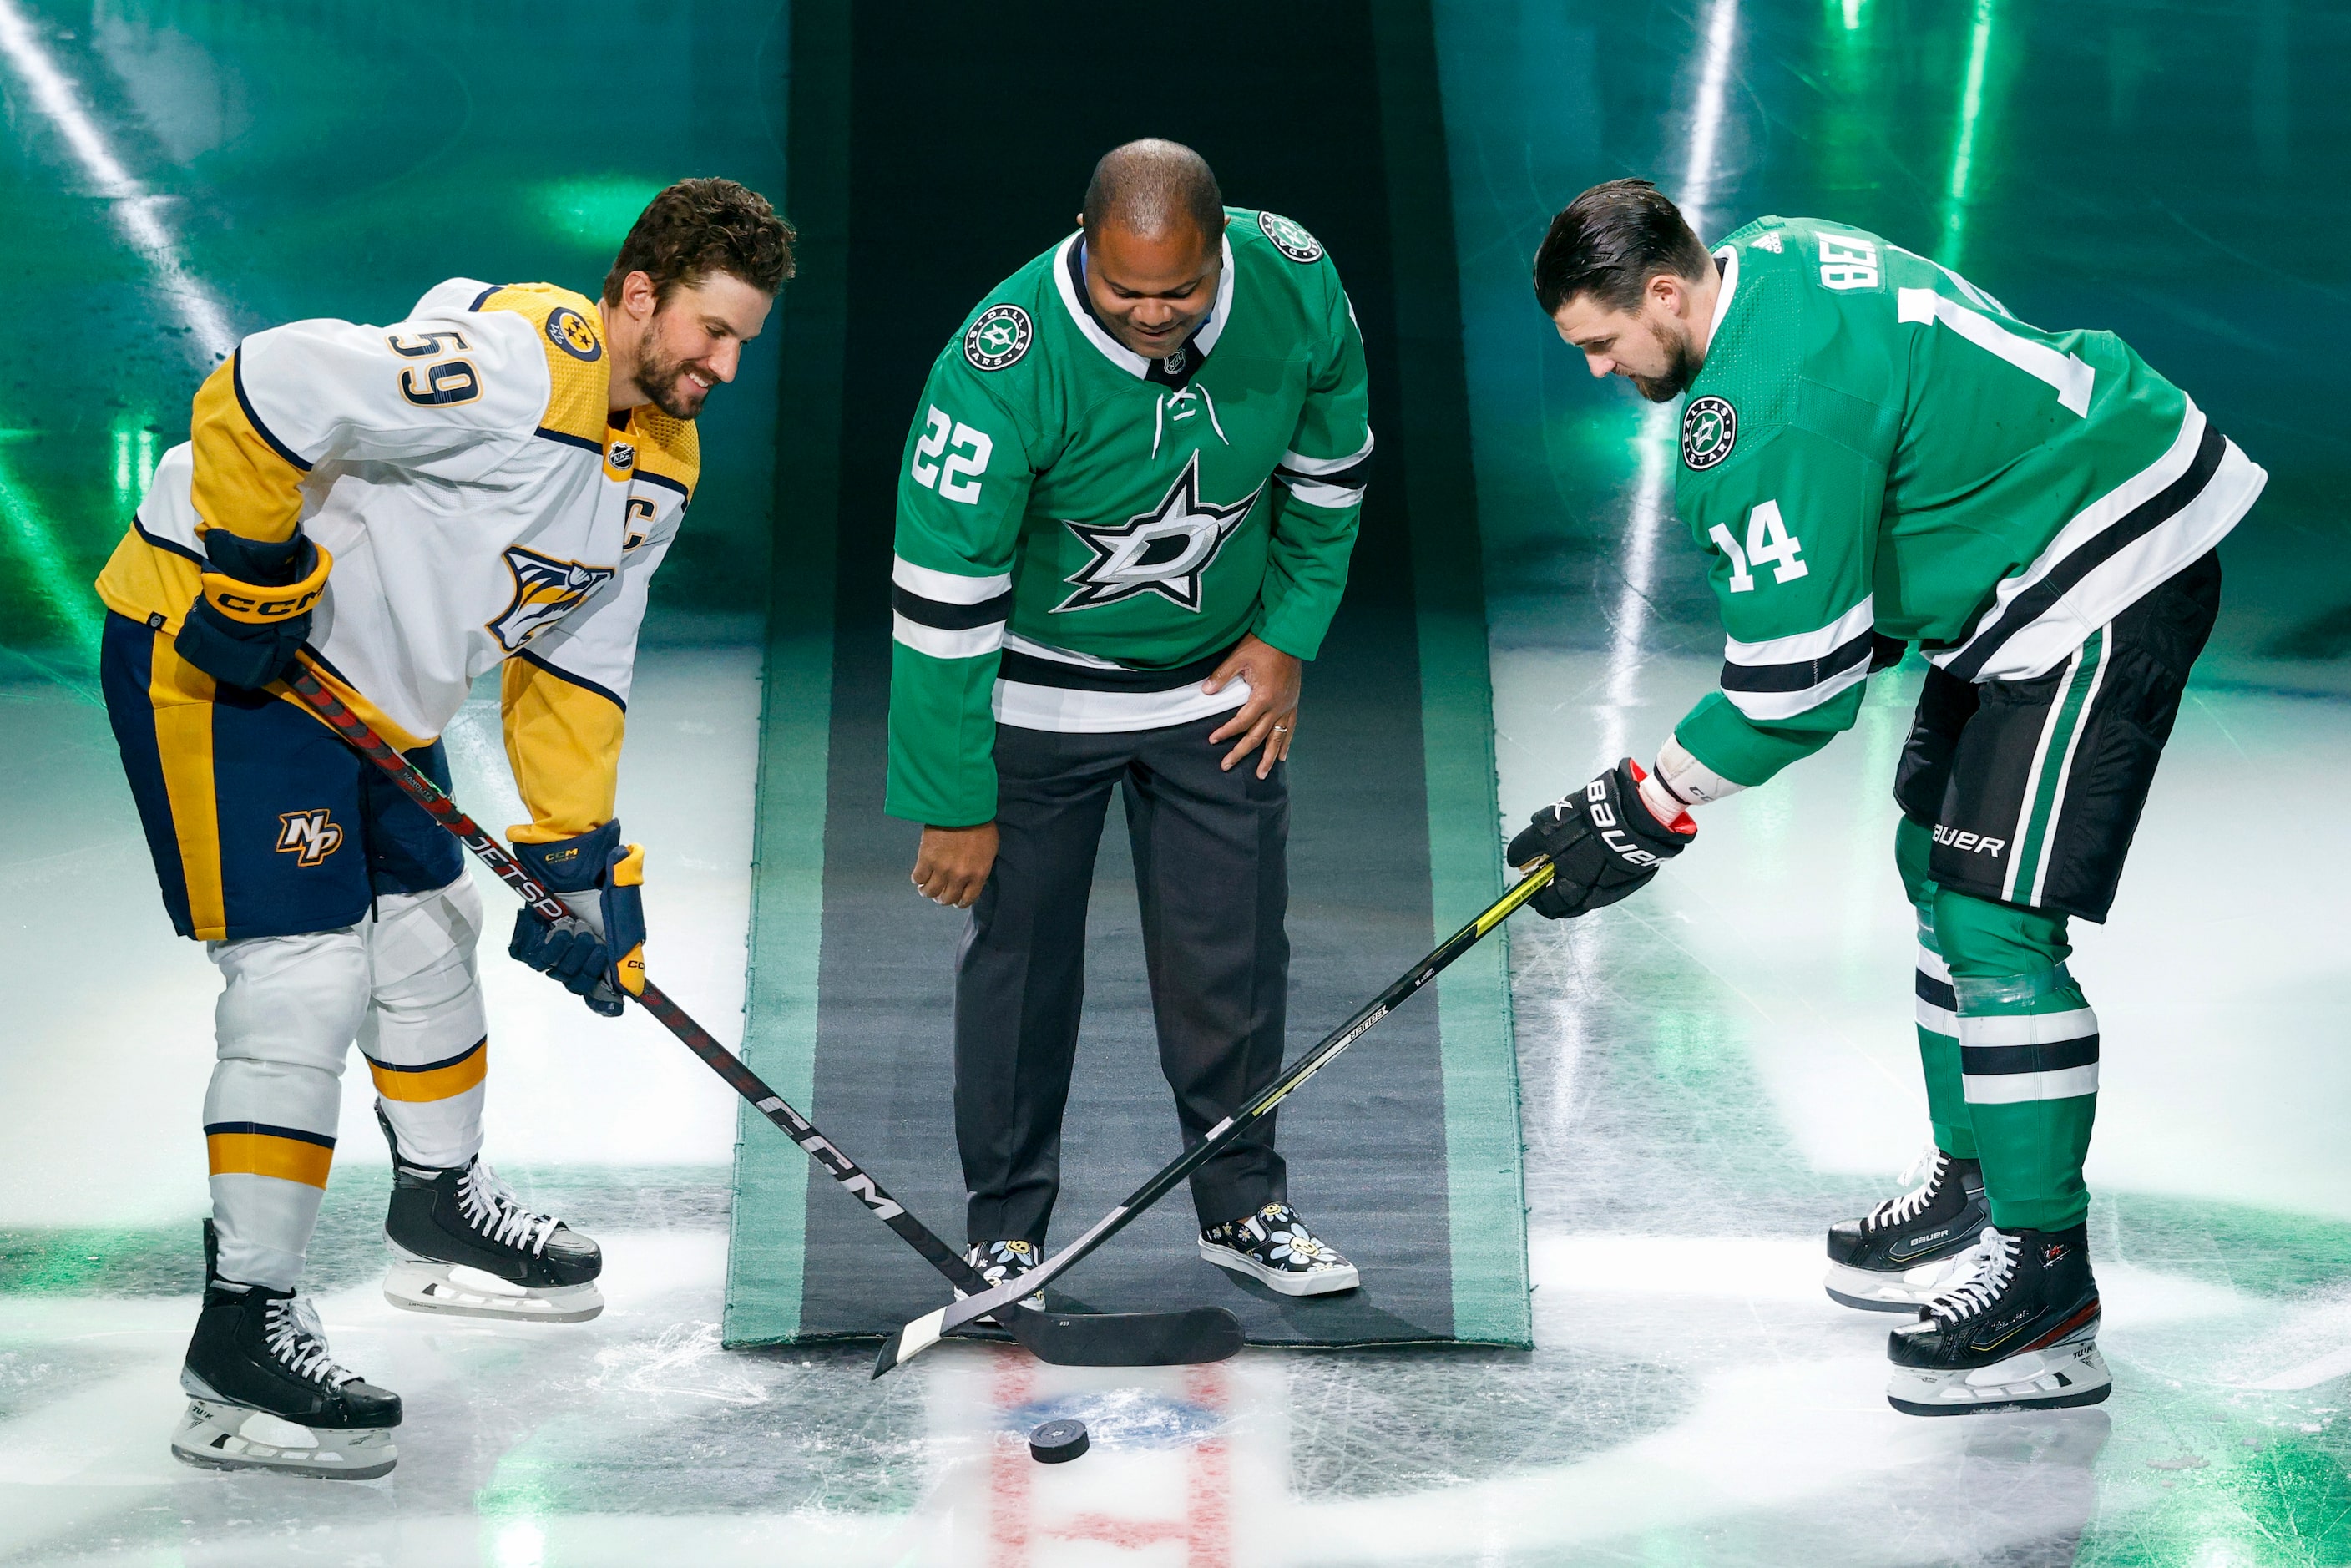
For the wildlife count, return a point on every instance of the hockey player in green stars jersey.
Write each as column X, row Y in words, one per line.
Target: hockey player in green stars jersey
column 1129, row 498
column 1876, row 453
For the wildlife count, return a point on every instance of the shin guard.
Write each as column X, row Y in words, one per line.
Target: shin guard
column 2029, row 1058
column 1938, row 1007
column 425, row 1034
column 284, row 1026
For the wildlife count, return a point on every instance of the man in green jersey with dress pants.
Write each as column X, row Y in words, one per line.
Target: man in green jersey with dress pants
column 1876, row 453
column 1129, row 496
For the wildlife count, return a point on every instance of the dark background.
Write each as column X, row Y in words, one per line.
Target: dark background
column 971, row 134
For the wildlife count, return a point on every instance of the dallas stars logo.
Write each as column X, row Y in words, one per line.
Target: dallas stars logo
column 1165, row 550
column 999, row 338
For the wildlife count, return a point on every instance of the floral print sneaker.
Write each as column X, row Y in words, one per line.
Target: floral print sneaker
column 1000, row 1261
column 1274, row 1245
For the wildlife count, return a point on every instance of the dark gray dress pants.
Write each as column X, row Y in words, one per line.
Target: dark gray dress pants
column 1212, row 880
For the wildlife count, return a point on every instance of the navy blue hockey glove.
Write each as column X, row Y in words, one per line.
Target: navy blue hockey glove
column 599, row 956
column 254, row 610
column 1603, row 841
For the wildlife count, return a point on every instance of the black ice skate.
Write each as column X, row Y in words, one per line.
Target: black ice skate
column 2020, row 1335
column 1909, row 1248
column 264, row 1395
column 1273, row 1244
column 462, row 1244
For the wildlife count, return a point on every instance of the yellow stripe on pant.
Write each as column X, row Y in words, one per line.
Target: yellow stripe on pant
column 182, row 695
column 433, row 1080
column 255, row 1148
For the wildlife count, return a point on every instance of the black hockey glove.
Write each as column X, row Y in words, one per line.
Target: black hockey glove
column 1604, row 841
column 254, row 610
column 601, row 954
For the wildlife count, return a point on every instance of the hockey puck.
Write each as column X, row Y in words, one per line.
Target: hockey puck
column 1057, row 1442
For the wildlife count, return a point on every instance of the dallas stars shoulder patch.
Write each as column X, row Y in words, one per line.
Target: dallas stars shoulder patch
column 1290, row 237
column 1709, row 430
column 1165, row 550
column 1000, row 336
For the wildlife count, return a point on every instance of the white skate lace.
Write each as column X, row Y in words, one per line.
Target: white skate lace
column 1910, row 1205
column 491, row 1208
column 1994, row 1258
column 295, row 1336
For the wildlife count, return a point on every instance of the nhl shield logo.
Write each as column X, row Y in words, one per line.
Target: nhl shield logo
column 545, row 592
column 999, row 338
column 1290, row 237
column 1709, row 430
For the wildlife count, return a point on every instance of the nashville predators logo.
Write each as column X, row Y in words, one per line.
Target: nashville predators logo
column 308, row 836
column 545, row 592
column 568, row 331
column 1165, row 550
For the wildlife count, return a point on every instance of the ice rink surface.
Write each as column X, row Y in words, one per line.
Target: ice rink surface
column 1693, row 1398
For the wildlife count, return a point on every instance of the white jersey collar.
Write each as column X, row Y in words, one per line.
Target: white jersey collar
column 1728, row 256
column 1116, row 352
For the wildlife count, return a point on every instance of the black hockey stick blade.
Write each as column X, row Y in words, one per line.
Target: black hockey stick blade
column 1184, row 1338
column 925, row 1332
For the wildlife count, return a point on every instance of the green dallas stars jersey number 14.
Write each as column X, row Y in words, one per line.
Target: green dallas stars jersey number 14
column 1876, row 448
column 1084, row 533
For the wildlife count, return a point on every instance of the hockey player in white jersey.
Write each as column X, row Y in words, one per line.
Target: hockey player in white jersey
column 491, row 481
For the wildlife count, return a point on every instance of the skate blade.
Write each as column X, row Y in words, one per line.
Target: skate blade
column 2057, row 1378
column 1328, row 1282
column 1873, row 1291
column 458, row 1291
column 217, row 1437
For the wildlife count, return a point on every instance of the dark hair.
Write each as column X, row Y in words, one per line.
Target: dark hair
column 1147, row 187
column 1609, row 242
column 697, row 227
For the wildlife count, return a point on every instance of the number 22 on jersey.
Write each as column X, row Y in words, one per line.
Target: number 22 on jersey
column 967, row 451
column 1768, row 543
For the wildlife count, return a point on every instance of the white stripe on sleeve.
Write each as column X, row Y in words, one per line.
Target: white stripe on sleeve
column 1805, row 646
column 946, row 586
column 944, row 642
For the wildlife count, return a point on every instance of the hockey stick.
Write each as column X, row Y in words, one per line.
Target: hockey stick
column 918, row 1336
column 1064, row 1339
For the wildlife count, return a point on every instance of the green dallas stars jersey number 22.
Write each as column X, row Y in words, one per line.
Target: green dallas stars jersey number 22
column 1084, row 533
column 1876, row 448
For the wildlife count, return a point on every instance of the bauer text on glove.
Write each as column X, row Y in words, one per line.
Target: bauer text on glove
column 1604, row 843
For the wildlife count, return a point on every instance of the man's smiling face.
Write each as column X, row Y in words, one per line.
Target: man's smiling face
column 695, row 341
column 1153, row 293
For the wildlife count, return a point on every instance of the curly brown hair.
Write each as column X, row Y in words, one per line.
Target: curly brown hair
column 697, row 227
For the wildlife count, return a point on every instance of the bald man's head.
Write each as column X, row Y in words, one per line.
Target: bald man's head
column 1155, row 253
column 1154, row 190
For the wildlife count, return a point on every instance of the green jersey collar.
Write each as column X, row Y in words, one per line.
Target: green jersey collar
column 1175, row 368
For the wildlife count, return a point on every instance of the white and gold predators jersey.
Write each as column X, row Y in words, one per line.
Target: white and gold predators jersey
column 480, row 504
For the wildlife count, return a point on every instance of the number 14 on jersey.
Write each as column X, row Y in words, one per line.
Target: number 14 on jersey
column 1768, row 543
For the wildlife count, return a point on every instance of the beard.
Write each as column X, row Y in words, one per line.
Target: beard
column 1680, row 370
column 663, row 381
